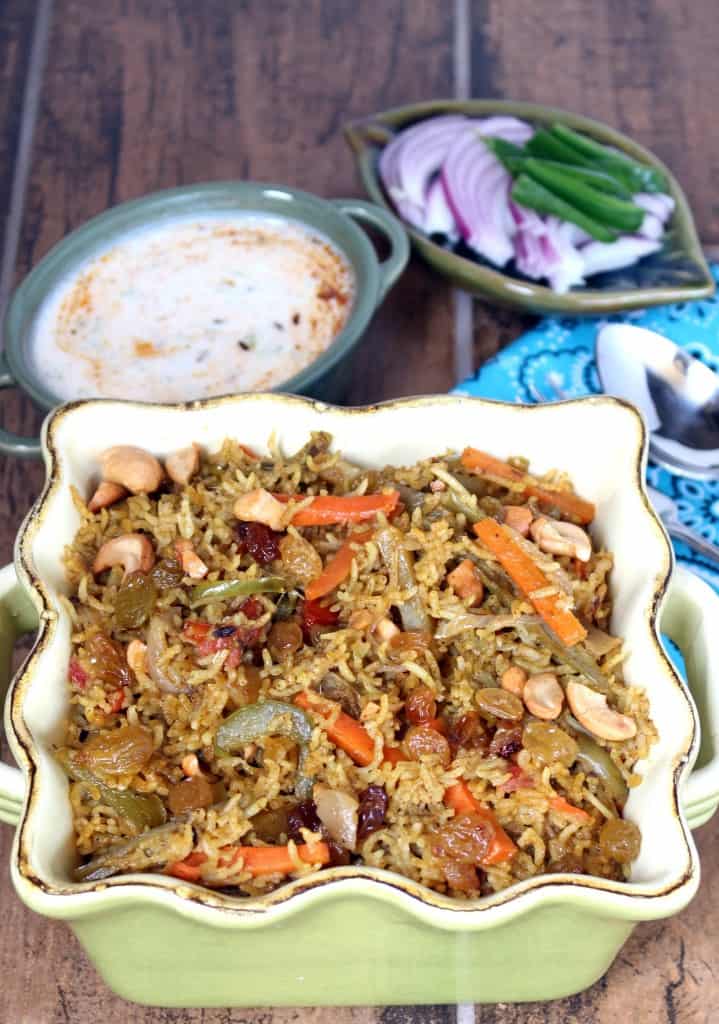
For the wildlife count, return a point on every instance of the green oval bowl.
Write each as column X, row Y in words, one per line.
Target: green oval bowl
column 325, row 377
column 678, row 273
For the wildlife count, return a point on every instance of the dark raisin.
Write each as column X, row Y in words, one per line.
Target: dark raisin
column 258, row 541
column 373, row 803
column 467, row 732
column 338, row 855
column 223, row 631
column 506, row 741
column 302, row 815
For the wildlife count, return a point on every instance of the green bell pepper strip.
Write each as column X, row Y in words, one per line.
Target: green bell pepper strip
column 268, row 718
column 528, row 192
column 638, row 177
column 615, row 213
column 225, row 590
column 143, row 810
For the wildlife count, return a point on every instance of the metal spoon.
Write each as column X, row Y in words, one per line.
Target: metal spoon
column 666, row 509
column 677, row 394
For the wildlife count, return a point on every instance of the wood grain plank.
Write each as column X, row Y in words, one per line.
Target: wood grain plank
column 16, row 32
column 145, row 95
column 16, row 26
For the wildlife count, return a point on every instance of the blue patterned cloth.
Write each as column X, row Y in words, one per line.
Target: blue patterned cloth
column 556, row 360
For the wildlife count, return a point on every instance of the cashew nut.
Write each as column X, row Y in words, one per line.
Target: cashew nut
column 133, row 551
column 519, row 517
column 190, row 765
column 107, row 493
column 385, row 629
column 560, row 538
column 259, row 506
column 134, row 468
column 544, row 696
column 182, row 465
column 592, row 710
column 191, row 562
column 136, row 655
column 513, row 680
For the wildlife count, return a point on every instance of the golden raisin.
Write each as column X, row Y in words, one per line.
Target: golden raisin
column 420, row 706
column 421, row 740
column 494, row 702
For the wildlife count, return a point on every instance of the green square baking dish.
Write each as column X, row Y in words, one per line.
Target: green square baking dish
column 356, row 935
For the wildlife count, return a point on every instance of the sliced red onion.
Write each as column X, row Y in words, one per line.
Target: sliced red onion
column 651, row 227
column 601, row 256
column 511, row 129
column 544, row 248
column 410, row 160
column 438, row 216
column 656, row 203
column 568, row 269
column 477, row 187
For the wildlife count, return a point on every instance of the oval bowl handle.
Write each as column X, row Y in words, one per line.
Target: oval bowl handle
column 17, row 616
column 690, row 618
column 14, row 444
column 390, row 227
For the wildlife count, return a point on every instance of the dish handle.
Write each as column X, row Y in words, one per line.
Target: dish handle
column 14, row 444
column 390, row 227
column 690, row 618
column 17, row 616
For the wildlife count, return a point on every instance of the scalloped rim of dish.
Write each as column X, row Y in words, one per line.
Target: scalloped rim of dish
column 74, row 900
column 513, row 290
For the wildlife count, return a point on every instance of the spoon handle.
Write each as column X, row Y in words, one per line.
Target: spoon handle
column 685, row 533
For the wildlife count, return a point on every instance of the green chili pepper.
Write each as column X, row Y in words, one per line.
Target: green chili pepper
column 638, row 177
column 605, row 209
column 268, row 718
column 511, row 156
column 598, row 180
column 224, row 590
column 528, row 192
column 143, row 810
column 546, row 145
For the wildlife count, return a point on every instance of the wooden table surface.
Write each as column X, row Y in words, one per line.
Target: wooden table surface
column 104, row 101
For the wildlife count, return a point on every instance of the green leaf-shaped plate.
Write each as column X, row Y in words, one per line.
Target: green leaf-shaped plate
column 677, row 273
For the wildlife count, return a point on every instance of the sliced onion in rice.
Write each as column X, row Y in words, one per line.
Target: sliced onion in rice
column 338, row 812
column 460, row 623
column 156, row 648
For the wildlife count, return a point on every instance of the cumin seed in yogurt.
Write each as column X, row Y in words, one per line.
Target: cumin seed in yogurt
column 194, row 308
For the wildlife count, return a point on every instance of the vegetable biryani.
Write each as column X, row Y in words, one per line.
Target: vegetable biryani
column 285, row 662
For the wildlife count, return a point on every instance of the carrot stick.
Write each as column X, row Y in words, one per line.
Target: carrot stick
column 337, row 569
column 393, row 756
column 529, row 578
column 459, row 797
column 270, row 860
column 329, row 510
column 189, row 868
column 344, row 731
column 562, row 806
column 567, row 502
